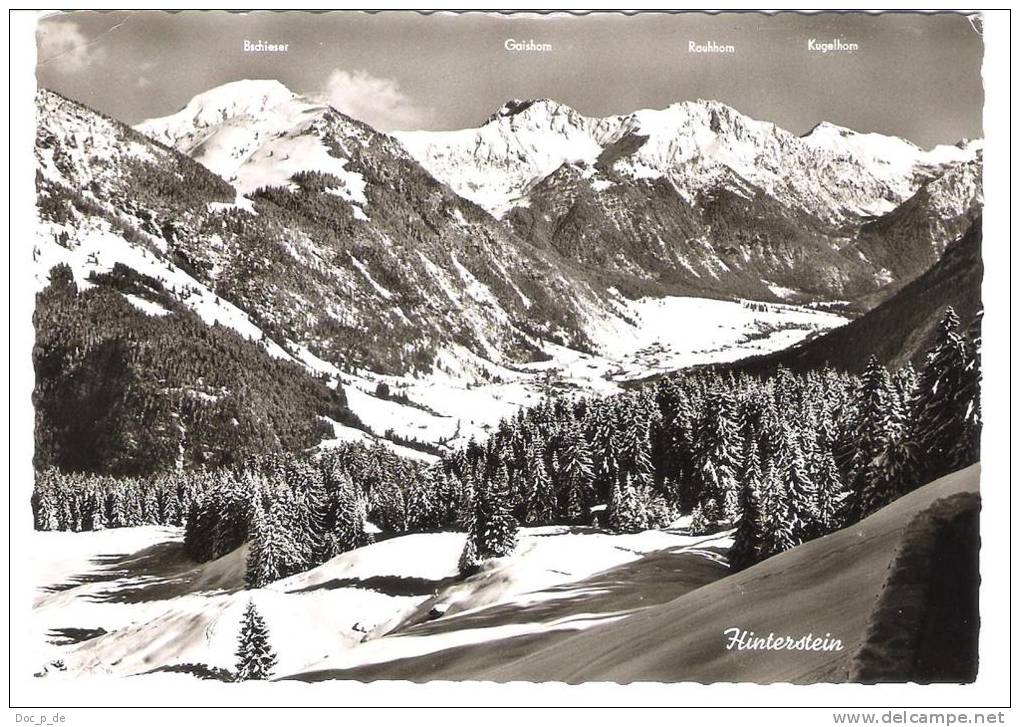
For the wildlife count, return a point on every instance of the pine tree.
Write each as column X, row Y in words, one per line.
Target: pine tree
column 605, row 457
column 633, row 445
column 228, row 515
column 831, row 495
column 172, row 511
column 150, row 506
column 658, row 512
column 872, row 432
column 626, row 510
column 467, row 499
column 255, row 656
column 678, row 427
column 777, row 516
column 541, row 493
column 95, row 511
column 259, row 568
column 498, row 536
column 344, row 519
column 310, row 502
column 947, row 407
column 468, row 561
column 46, row 511
column 801, row 492
column 272, row 554
column 749, row 537
column 447, row 489
column 493, row 529
column 422, row 509
column 716, row 460
column 576, row 472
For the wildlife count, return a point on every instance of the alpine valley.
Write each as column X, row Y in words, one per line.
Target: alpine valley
column 438, row 281
column 553, row 398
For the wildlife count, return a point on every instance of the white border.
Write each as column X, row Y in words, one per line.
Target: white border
column 36, row 696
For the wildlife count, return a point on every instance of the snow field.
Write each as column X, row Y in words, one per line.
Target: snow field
column 158, row 609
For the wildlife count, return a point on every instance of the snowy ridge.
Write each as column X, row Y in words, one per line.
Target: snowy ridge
column 832, row 172
column 495, row 165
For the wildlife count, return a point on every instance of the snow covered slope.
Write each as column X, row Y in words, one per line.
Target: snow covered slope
column 148, row 606
column 830, row 587
column 128, row 601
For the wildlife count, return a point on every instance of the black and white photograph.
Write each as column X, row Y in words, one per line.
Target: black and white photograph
column 505, row 347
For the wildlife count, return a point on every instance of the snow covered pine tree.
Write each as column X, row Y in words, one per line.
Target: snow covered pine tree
column 255, row 657
column 493, row 529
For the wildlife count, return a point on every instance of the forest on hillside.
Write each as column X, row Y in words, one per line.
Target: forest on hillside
column 121, row 392
column 783, row 458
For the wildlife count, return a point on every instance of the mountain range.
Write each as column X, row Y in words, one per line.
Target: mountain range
column 324, row 233
column 328, row 244
column 701, row 197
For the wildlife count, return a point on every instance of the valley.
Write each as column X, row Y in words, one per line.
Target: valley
column 650, row 336
column 372, row 272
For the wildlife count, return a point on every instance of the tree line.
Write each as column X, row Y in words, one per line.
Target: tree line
column 781, row 458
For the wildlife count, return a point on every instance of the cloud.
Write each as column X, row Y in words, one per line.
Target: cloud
column 63, row 45
column 378, row 102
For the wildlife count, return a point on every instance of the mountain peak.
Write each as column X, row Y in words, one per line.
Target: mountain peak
column 248, row 97
column 245, row 97
column 516, row 106
column 827, row 128
column 711, row 103
column 265, row 86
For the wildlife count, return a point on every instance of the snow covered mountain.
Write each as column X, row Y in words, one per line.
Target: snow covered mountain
column 343, row 246
column 696, row 196
column 694, row 199
column 910, row 239
column 332, row 237
column 353, row 264
column 327, row 244
column 259, row 134
column 832, row 173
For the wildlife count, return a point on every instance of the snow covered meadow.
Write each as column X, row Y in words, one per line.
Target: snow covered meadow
column 129, row 601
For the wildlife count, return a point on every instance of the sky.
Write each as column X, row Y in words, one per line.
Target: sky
column 915, row 76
